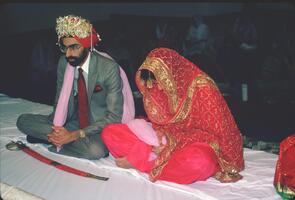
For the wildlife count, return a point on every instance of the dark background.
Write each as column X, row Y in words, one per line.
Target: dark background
column 29, row 54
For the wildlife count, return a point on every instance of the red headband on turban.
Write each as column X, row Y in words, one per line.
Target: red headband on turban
column 86, row 42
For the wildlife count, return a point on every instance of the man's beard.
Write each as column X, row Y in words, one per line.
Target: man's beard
column 77, row 61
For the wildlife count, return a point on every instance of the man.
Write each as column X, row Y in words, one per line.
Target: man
column 75, row 124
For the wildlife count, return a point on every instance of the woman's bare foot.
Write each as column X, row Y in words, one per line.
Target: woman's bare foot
column 123, row 163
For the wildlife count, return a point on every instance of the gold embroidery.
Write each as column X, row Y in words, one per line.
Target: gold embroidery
column 151, row 109
column 285, row 190
column 215, row 146
column 185, row 108
column 164, row 78
column 227, row 172
column 163, row 158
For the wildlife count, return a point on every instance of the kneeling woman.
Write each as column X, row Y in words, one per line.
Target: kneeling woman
column 190, row 133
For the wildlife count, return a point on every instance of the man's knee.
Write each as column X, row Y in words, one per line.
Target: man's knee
column 92, row 152
column 21, row 121
column 96, row 152
column 105, row 134
column 35, row 125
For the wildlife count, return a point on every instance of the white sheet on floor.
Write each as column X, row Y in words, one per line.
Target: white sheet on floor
column 21, row 171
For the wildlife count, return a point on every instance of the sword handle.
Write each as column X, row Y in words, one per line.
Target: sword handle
column 15, row 146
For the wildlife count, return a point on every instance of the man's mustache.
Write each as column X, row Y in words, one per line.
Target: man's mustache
column 71, row 58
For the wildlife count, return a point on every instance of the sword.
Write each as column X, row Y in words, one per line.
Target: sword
column 15, row 146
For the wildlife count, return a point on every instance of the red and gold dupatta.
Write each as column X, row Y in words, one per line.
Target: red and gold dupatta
column 185, row 105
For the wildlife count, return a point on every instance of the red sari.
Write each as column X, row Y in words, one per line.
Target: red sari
column 284, row 179
column 184, row 105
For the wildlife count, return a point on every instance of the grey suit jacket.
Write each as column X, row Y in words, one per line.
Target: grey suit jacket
column 106, row 105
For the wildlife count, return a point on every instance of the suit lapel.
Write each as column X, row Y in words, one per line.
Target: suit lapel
column 71, row 104
column 93, row 73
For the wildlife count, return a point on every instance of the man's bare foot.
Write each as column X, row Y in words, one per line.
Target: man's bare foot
column 123, row 163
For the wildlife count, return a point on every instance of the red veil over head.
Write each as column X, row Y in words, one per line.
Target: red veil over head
column 185, row 105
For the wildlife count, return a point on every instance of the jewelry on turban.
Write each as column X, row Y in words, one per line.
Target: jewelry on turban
column 78, row 28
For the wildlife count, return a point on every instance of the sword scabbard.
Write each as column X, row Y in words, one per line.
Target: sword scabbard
column 21, row 146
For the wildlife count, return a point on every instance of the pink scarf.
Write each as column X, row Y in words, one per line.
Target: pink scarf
column 62, row 104
column 61, row 111
column 145, row 132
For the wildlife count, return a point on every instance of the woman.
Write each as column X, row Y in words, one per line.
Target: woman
column 197, row 135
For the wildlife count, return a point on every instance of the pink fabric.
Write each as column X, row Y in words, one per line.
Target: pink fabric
column 62, row 104
column 61, row 110
column 196, row 162
column 144, row 131
column 128, row 105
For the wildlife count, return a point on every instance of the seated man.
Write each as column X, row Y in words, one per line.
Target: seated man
column 90, row 94
column 191, row 135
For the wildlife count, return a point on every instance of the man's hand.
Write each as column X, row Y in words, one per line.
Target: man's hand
column 60, row 136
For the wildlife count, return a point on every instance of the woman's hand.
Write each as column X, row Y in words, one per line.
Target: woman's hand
column 158, row 149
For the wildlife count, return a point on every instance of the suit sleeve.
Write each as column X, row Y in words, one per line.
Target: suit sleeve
column 114, row 101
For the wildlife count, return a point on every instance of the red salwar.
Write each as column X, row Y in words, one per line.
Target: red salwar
column 181, row 168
